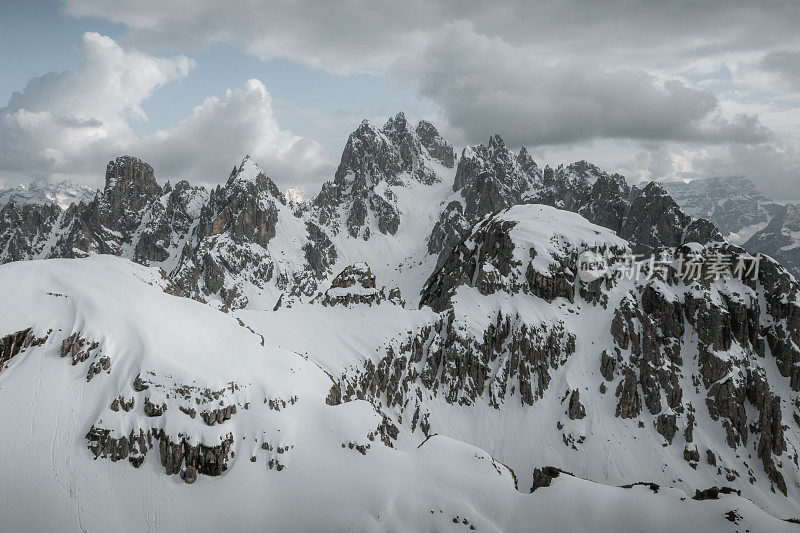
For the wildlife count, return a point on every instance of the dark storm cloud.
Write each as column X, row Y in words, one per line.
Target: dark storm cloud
column 356, row 36
column 485, row 85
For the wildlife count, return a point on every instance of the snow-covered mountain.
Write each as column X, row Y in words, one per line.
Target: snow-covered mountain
column 780, row 238
column 733, row 203
column 62, row 194
column 744, row 215
column 414, row 349
column 129, row 408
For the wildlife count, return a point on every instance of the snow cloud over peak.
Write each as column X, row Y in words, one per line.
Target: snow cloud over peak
column 71, row 123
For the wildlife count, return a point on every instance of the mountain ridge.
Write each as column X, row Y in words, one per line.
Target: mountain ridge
column 63, row 193
column 487, row 343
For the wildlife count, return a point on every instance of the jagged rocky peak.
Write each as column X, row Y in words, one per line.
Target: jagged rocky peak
column 418, row 146
column 583, row 188
column 654, row 220
column 496, row 165
column 437, row 147
column 131, row 174
column 646, row 216
column 246, row 206
column 582, row 173
column 368, row 159
column 492, row 177
column 228, row 249
column 130, row 187
column 527, row 163
column 489, row 177
column 249, row 173
column 374, row 155
column 373, row 161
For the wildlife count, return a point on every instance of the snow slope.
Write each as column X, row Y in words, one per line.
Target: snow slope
column 183, row 352
column 420, row 365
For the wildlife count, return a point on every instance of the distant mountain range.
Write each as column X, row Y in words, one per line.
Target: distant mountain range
column 744, row 215
column 62, row 194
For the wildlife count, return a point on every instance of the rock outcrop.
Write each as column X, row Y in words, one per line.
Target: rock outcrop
column 489, row 178
column 372, row 160
column 356, row 285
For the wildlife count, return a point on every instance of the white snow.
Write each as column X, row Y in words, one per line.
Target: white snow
column 51, row 482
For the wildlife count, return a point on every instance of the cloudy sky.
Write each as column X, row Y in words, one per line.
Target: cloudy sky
column 654, row 90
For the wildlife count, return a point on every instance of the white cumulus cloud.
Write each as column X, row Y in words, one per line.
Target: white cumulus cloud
column 71, row 123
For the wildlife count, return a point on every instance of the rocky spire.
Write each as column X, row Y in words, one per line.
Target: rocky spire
column 437, row 147
column 129, row 173
column 373, row 156
column 490, row 177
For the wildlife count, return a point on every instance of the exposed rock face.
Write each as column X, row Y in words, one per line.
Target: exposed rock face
column 437, row 147
column 372, row 159
column 494, row 248
column 444, row 360
column 647, row 217
column 585, row 189
column 178, row 456
column 576, row 410
column 489, row 178
column 11, row 345
column 731, row 330
column 542, row 477
column 654, row 220
column 168, row 223
column 110, row 438
column 130, row 187
column 451, row 227
column 25, row 230
column 492, row 260
column 320, row 253
column 231, row 238
column 356, row 285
